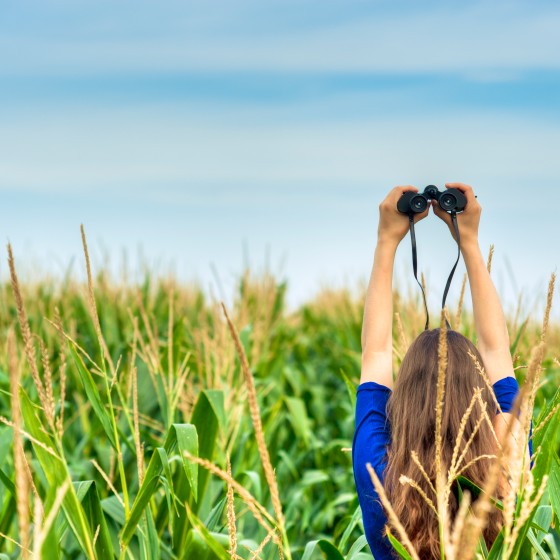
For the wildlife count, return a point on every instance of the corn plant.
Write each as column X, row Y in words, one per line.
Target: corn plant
column 142, row 419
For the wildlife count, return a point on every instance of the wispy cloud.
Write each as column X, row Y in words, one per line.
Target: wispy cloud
column 133, row 152
column 463, row 38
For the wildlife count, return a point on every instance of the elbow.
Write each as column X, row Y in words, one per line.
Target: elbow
column 376, row 340
column 376, row 346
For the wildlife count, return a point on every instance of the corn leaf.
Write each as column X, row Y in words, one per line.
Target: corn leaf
column 180, row 437
column 537, row 546
column 330, row 552
column 354, row 521
column 56, row 473
column 357, row 547
column 210, row 539
column 89, row 498
column 401, row 550
column 93, row 395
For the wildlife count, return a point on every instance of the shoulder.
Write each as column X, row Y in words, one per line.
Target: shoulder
column 505, row 390
column 508, row 382
column 371, row 397
column 374, row 387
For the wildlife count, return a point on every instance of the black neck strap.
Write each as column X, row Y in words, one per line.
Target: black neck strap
column 415, row 265
column 415, row 268
column 456, row 227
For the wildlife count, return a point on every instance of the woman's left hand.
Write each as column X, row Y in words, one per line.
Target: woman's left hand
column 393, row 225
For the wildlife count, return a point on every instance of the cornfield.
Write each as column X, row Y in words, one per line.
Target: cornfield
column 144, row 420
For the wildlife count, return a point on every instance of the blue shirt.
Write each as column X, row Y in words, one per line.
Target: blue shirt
column 371, row 438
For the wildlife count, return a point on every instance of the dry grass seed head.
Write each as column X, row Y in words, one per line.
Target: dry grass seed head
column 406, row 480
column 473, row 461
column 442, row 367
column 405, row 540
column 257, row 424
column 47, row 374
column 45, row 527
column 457, row 531
column 26, row 331
column 458, row 314
column 490, row 424
column 462, row 426
column 527, row 507
column 546, row 420
column 62, row 373
column 468, row 444
column 489, row 261
column 231, row 513
column 37, row 523
column 402, row 335
column 474, row 524
column 96, row 535
column 22, row 499
column 107, row 479
column 139, row 453
column 416, row 460
column 105, row 354
column 549, row 298
column 258, row 511
column 170, row 367
column 260, row 548
column 521, row 476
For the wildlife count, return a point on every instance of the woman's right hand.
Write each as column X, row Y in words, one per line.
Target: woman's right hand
column 467, row 220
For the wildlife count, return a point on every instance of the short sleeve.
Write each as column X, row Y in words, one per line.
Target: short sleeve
column 506, row 391
column 371, row 438
column 371, row 404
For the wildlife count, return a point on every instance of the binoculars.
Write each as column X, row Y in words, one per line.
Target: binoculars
column 450, row 200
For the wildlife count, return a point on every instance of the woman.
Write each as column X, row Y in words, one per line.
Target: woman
column 390, row 424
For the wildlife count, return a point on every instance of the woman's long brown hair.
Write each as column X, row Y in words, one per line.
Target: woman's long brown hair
column 411, row 410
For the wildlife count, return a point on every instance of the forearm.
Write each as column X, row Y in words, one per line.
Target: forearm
column 377, row 338
column 378, row 308
column 489, row 320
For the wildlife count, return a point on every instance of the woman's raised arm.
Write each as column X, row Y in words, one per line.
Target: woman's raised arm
column 489, row 321
column 377, row 327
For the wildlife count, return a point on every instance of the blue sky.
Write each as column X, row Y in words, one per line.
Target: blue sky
column 204, row 132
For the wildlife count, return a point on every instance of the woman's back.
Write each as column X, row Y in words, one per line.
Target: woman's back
column 442, row 415
column 371, row 443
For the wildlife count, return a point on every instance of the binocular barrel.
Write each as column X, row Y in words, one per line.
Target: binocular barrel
column 450, row 200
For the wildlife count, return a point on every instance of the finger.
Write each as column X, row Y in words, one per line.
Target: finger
column 421, row 215
column 442, row 214
column 467, row 190
column 397, row 192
